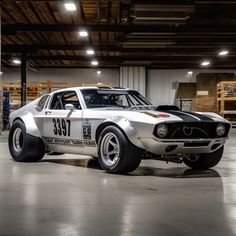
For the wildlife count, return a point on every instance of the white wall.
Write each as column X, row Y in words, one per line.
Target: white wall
column 161, row 84
column 74, row 76
column 133, row 77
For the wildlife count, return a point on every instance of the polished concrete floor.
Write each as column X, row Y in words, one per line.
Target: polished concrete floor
column 70, row 195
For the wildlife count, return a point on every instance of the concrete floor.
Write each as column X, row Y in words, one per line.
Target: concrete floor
column 70, row 195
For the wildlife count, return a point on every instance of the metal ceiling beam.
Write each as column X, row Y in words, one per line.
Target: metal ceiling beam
column 35, row 47
column 161, row 58
column 190, row 29
column 206, row 48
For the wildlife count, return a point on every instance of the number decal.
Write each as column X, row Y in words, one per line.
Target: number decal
column 61, row 127
column 68, row 123
column 55, row 126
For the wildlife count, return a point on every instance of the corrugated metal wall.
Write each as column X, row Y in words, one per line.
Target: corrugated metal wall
column 133, row 77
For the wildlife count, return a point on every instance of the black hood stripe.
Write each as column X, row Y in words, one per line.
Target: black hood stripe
column 190, row 116
column 201, row 117
column 182, row 115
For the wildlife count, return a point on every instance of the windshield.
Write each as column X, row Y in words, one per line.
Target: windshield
column 95, row 98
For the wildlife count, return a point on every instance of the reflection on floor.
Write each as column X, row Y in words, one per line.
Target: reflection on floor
column 72, row 195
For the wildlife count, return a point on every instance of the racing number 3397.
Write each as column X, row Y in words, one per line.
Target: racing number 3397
column 61, row 127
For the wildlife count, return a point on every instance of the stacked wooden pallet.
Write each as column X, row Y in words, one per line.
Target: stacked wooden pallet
column 226, row 100
column 34, row 90
column 50, row 86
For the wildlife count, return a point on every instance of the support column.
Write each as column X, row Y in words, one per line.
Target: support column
column 23, row 79
column 133, row 77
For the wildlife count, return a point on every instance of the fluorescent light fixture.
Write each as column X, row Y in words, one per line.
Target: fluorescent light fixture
column 94, row 63
column 83, row 33
column 16, row 61
column 190, row 73
column 223, row 53
column 205, row 63
column 90, row 52
column 99, row 72
column 70, row 6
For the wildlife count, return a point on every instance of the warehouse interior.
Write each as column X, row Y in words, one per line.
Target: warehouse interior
column 180, row 53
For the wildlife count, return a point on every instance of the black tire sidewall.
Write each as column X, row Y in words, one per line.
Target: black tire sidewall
column 17, row 156
column 33, row 148
column 122, row 141
column 206, row 160
column 127, row 154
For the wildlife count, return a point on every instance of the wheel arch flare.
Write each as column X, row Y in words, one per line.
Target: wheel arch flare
column 124, row 125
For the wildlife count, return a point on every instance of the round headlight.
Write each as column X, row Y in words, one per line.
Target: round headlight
column 162, row 130
column 220, row 129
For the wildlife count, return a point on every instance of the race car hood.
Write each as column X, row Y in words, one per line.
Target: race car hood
column 153, row 116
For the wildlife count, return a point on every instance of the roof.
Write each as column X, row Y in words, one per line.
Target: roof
column 91, row 87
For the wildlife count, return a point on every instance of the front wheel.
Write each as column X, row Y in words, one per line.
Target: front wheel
column 24, row 147
column 116, row 153
column 204, row 161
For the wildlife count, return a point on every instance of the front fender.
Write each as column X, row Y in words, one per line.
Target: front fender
column 31, row 127
column 125, row 126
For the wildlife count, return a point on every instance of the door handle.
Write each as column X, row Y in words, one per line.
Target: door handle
column 47, row 113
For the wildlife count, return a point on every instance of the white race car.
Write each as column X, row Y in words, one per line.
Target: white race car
column 118, row 126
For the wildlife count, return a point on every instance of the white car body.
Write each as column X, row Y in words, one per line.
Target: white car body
column 137, row 123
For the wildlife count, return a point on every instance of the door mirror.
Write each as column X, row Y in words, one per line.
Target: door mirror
column 69, row 107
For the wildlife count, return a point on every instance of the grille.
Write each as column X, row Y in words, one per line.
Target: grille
column 196, row 130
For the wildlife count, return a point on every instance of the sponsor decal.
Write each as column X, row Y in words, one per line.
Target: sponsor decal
column 72, row 142
column 86, row 129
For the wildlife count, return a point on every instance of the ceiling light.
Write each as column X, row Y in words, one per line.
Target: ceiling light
column 99, row 72
column 223, row 53
column 190, row 73
column 16, row 61
column 1, row 72
column 83, row 33
column 94, row 63
column 70, row 6
column 90, row 52
column 205, row 63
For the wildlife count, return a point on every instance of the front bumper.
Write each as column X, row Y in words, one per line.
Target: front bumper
column 172, row 147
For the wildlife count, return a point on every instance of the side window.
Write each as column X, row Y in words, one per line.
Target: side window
column 41, row 103
column 60, row 100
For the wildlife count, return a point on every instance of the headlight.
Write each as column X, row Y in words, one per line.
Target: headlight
column 162, row 130
column 220, row 129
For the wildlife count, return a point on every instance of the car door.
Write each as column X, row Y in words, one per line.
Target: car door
column 62, row 128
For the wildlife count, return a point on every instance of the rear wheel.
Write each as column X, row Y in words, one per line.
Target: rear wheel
column 24, row 147
column 204, row 161
column 116, row 154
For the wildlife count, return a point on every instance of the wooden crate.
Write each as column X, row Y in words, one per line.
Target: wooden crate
column 34, row 90
column 204, row 104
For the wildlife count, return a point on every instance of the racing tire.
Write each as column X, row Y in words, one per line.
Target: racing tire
column 116, row 154
column 204, row 161
column 24, row 147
